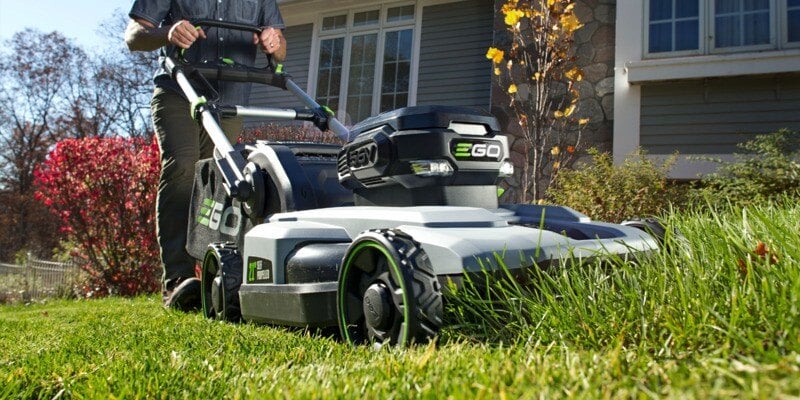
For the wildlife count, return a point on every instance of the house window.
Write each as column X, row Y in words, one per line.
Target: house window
column 741, row 23
column 793, row 21
column 361, row 80
column 396, row 69
column 688, row 27
column 674, row 25
column 374, row 65
column 330, row 71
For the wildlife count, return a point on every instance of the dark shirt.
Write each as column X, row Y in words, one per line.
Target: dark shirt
column 221, row 43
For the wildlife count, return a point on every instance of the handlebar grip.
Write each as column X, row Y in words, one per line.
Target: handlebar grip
column 226, row 25
column 211, row 23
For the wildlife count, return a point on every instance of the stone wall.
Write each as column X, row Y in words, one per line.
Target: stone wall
column 594, row 47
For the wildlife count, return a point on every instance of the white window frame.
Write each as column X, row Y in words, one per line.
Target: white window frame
column 784, row 19
column 779, row 39
column 381, row 28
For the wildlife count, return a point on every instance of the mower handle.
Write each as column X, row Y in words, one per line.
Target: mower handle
column 272, row 75
column 211, row 23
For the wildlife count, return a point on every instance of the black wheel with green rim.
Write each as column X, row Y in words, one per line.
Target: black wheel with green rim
column 221, row 277
column 388, row 292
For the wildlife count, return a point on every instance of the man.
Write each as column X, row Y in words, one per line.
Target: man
column 165, row 24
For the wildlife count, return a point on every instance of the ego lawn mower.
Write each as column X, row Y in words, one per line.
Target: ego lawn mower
column 365, row 236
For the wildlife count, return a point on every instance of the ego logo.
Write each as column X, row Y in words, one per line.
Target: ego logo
column 477, row 150
column 363, row 156
column 227, row 221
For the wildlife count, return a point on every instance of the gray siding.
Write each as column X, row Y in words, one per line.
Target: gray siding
column 298, row 54
column 712, row 116
column 453, row 69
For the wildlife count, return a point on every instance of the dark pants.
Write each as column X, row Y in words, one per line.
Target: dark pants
column 182, row 143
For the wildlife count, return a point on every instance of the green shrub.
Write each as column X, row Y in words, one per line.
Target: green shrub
column 607, row 192
column 769, row 169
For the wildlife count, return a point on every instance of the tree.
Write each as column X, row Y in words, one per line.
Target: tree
column 31, row 89
column 538, row 70
column 112, row 95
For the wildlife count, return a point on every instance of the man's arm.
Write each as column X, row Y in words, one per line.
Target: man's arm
column 142, row 35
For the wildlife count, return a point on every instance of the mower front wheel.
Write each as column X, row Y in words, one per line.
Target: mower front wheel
column 220, row 279
column 388, row 292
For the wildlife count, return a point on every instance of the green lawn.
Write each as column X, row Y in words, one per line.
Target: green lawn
column 715, row 317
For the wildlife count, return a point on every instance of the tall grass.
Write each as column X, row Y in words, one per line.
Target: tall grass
column 730, row 285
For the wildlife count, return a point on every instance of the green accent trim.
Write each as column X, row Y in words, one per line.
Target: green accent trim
column 204, row 211
column 227, row 61
column 500, row 191
column 204, row 221
column 328, row 110
column 203, row 278
column 209, row 202
column 393, row 265
column 195, row 105
column 279, row 69
column 251, row 271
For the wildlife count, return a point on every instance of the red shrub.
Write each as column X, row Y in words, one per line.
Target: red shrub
column 104, row 191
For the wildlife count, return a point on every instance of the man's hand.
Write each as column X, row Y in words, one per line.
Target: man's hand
column 271, row 41
column 183, row 34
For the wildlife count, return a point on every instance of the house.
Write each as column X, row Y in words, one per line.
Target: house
column 693, row 76
column 699, row 76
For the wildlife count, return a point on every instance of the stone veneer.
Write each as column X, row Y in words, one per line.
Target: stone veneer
column 594, row 47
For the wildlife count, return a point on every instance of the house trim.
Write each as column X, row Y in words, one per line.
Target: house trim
column 299, row 12
column 739, row 64
column 627, row 96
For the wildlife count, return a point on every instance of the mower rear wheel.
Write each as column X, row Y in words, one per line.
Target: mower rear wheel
column 221, row 278
column 388, row 292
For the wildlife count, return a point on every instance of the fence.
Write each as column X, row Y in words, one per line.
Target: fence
column 36, row 279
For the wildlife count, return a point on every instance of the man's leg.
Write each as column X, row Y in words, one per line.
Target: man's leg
column 232, row 128
column 177, row 135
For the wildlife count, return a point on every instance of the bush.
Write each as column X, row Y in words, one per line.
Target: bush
column 288, row 133
column 770, row 169
column 104, row 192
column 607, row 192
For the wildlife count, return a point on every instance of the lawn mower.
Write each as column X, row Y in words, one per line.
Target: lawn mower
column 364, row 236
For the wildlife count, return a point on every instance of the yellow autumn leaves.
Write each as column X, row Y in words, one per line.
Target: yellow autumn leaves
column 514, row 12
column 574, row 74
column 570, row 23
column 495, row 54
column 513, row 17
